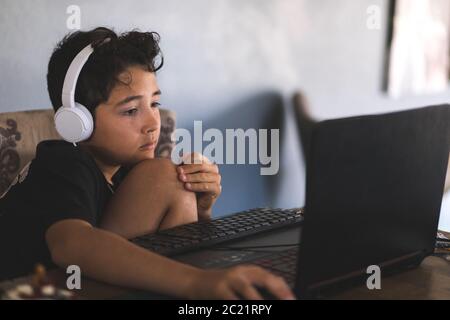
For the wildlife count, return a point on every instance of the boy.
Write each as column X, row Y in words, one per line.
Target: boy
column 79, row 204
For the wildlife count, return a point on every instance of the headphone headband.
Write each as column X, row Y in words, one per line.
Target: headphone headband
column 70, row 81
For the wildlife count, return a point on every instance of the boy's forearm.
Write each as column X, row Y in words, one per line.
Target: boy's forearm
column 107, row 257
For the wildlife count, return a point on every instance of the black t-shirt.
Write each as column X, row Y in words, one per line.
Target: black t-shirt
column 62, row 182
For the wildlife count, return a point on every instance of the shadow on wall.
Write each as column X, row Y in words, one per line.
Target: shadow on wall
column 243, row 186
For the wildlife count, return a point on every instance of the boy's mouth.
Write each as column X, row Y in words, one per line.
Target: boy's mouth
column 148, row 146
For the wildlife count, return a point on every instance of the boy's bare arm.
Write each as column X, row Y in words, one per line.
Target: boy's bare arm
column 107, row 257
column 110, row 258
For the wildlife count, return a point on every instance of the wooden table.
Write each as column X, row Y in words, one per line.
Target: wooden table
column 431, row 280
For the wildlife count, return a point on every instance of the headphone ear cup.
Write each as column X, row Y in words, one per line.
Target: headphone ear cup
column 74, row 124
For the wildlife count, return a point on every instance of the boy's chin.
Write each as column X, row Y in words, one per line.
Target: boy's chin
column 146, row 156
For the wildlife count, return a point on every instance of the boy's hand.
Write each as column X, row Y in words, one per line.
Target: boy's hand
column 239, row 282
column 202, row 177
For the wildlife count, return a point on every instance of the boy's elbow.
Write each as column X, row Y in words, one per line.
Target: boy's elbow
column 60, row 255
column 63, row 254
column 64, row 241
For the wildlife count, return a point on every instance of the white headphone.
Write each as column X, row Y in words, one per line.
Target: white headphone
column 73, row 121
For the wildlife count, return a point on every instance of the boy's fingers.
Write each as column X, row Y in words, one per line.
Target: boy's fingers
column 228, row 294
column 200, row 177
column 195, row 158
column 192, row 168
column 276, row 285
column 247, row 291
column 209, row 187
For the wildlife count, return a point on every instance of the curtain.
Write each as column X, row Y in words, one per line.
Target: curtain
column 419, row 53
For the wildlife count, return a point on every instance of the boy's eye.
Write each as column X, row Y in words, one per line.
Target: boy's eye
column 156, row 104
column 130, row 112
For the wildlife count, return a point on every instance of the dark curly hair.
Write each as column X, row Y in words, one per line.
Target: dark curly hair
column 109, row 59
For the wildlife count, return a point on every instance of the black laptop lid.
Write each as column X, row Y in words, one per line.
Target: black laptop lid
column 374, row 191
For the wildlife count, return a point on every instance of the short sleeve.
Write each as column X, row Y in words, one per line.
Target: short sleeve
column 65, row 189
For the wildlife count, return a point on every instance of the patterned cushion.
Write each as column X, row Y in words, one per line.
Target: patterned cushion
column 20, row 132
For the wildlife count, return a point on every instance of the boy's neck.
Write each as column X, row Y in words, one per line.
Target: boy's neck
column 108, row 170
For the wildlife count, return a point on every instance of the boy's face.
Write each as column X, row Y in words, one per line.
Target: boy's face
column 128, row 120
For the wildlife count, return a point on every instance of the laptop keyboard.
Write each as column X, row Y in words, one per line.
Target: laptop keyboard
column 202, row 234
column 283, row 264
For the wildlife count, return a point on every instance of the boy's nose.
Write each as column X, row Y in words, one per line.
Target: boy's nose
column 151, row 124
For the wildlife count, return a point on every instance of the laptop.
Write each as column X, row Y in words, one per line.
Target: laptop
column 374, row 191
column 373, row 196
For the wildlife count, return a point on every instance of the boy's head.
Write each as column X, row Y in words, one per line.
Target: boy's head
column 118, row 86
column 101, row 72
